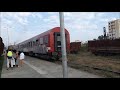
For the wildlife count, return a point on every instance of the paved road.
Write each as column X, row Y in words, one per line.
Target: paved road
column 37, row 68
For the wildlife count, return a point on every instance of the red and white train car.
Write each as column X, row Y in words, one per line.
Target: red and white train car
column 46, row 45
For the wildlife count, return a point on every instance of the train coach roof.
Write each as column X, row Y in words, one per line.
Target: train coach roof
column 42, row 34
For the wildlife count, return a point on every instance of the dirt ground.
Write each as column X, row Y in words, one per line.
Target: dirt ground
column 106, row 66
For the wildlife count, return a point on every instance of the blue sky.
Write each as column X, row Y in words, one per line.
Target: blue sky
column 82, row 26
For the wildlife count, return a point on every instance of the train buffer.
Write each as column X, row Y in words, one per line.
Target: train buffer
column 36, row 68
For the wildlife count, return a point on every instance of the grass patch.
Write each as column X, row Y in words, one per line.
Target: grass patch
column 85, row 58
column 1, row 64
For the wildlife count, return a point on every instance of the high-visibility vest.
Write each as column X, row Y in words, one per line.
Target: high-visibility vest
column 9, row 54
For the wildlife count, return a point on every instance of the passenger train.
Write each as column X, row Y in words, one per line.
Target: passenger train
column 45, row 45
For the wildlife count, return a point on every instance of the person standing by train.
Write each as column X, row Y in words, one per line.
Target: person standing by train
column 9, row 59
column 22, row 57
column 16, row 58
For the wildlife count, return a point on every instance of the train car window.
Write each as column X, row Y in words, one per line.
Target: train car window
column 37, row 42
column 58, row 42
column 58, row 38
column 46, row 40
column 33, row 43
column 29, row 44
column 41, row 40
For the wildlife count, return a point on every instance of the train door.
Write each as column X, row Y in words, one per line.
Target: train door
column 57, row 40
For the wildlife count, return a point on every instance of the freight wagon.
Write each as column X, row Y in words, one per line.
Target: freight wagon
column 45, row 45
column 104, row 47
column 1, row 46
column 75, row 47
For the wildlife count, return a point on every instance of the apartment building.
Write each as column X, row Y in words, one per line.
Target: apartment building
column 114, row 29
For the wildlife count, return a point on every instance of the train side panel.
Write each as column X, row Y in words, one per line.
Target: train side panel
column 104, row 46
column 75, row 47
column 47, row 43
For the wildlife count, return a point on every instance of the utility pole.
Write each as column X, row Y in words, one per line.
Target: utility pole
column 63, row 44
column 104, row 31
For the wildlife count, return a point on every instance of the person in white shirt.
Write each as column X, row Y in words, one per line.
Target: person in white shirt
column 22, row 57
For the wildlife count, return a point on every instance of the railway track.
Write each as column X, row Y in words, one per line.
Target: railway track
column 96, row 68
column 77, row 66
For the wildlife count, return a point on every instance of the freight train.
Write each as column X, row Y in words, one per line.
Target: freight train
column 104, row 47
column 75, row 47
column 45, row 45
column 1, row 46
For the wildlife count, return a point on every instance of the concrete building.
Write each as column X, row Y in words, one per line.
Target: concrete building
column 114, row 29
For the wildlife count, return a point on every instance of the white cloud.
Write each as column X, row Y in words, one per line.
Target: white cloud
column 67, row 14
column 36, row 14
column 17, row 17
column 81, row 15
column 24, row 14
column 52, row 13
column 81, row 25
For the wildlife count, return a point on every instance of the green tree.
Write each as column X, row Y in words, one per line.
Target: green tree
column 100, row 37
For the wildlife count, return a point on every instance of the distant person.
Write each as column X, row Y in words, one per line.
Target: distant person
column 9, row 59
column 16, row 58
column 22, row 57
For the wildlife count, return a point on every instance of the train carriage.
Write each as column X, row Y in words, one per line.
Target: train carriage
column 75, row 47
column 104, row 47
column 45, row 45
